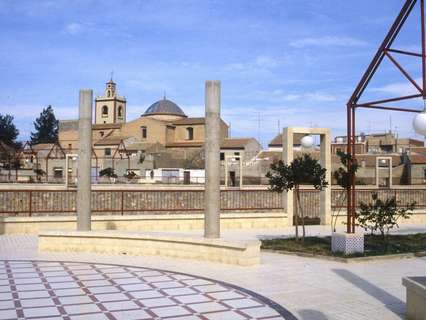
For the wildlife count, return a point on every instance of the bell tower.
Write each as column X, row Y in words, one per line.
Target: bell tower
column 110, row 108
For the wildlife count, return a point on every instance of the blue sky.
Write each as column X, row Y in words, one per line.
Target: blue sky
column 295, row 62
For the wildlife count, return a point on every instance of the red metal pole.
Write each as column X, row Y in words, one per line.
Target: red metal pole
column 353, row 195
column 422, row 14
column 349, row 151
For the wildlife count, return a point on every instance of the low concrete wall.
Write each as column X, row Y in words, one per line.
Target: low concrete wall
column 117, row 242
column 418, row 217
column 416, row 297
column 32, row 225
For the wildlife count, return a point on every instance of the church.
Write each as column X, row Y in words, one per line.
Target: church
column 163, row 130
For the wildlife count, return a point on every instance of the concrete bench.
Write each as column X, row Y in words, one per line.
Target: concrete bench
column 416, row 297
column 243, row 253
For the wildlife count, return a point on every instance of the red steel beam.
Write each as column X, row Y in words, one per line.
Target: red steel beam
column 405, row 73
column 389, row 108
column 383, row 50
column 390, row 100
column 387, row 42
column 414, row 54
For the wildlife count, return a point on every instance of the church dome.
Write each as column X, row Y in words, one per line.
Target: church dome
column 164, row 107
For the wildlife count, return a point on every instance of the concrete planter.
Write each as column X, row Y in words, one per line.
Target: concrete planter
column 347, row 243
column 416, row 297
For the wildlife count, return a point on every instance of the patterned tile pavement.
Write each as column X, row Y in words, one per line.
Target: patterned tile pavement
column 312, row 289
column 75, row 290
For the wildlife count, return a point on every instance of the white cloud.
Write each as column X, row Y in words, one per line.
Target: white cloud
column 266, row 62
column 74, row 28
column 261, row 63
column 328, row 41
column 321, row 97
column 278, row 95
column 291, row 97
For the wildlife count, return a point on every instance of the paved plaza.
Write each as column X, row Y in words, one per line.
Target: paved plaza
column 113, row 285
column 73, row 290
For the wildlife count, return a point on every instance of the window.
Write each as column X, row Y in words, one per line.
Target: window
column 190, row 133
column 69, row 146
column 101, row 133
column 57, row 172
column 424, row 173
column 104, row 111
column 120, row 112
column 144, row 132
column 222, row 156
column 107, row 151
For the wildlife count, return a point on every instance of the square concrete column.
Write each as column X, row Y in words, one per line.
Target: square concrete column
column 288, row 198
column 84, row 181
column 325, row 161
column 212, row 160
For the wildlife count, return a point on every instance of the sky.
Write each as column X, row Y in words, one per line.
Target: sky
column 281, row 62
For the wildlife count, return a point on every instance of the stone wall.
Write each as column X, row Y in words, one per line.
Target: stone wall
column 63, row 202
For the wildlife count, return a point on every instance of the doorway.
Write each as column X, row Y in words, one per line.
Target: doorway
column 186, row 177
column 232, row 178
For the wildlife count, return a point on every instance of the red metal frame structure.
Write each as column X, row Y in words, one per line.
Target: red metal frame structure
column 385, row 50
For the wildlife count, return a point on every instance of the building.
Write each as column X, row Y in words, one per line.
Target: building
column 163, row 133
column 376, row 144
column 276, row 144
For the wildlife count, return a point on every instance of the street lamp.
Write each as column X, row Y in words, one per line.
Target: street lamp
column 419, row 123
column 308, row 141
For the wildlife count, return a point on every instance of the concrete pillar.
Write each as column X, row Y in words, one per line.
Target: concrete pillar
column 226, row 170
column 212, row 156
column 325, row 161
column 241, row 168
column 288, row 199
column 84, row 161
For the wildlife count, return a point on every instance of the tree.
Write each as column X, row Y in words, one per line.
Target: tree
column 108, row 172
column 382, row 215
column 130, row 175
column 46, row 127
column 342, row 176
column 8, row 131
column 301, row 171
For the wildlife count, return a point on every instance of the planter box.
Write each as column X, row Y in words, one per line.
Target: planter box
column 347, row 243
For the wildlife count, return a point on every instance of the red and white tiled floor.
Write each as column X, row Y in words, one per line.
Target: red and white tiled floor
column 74, row 290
